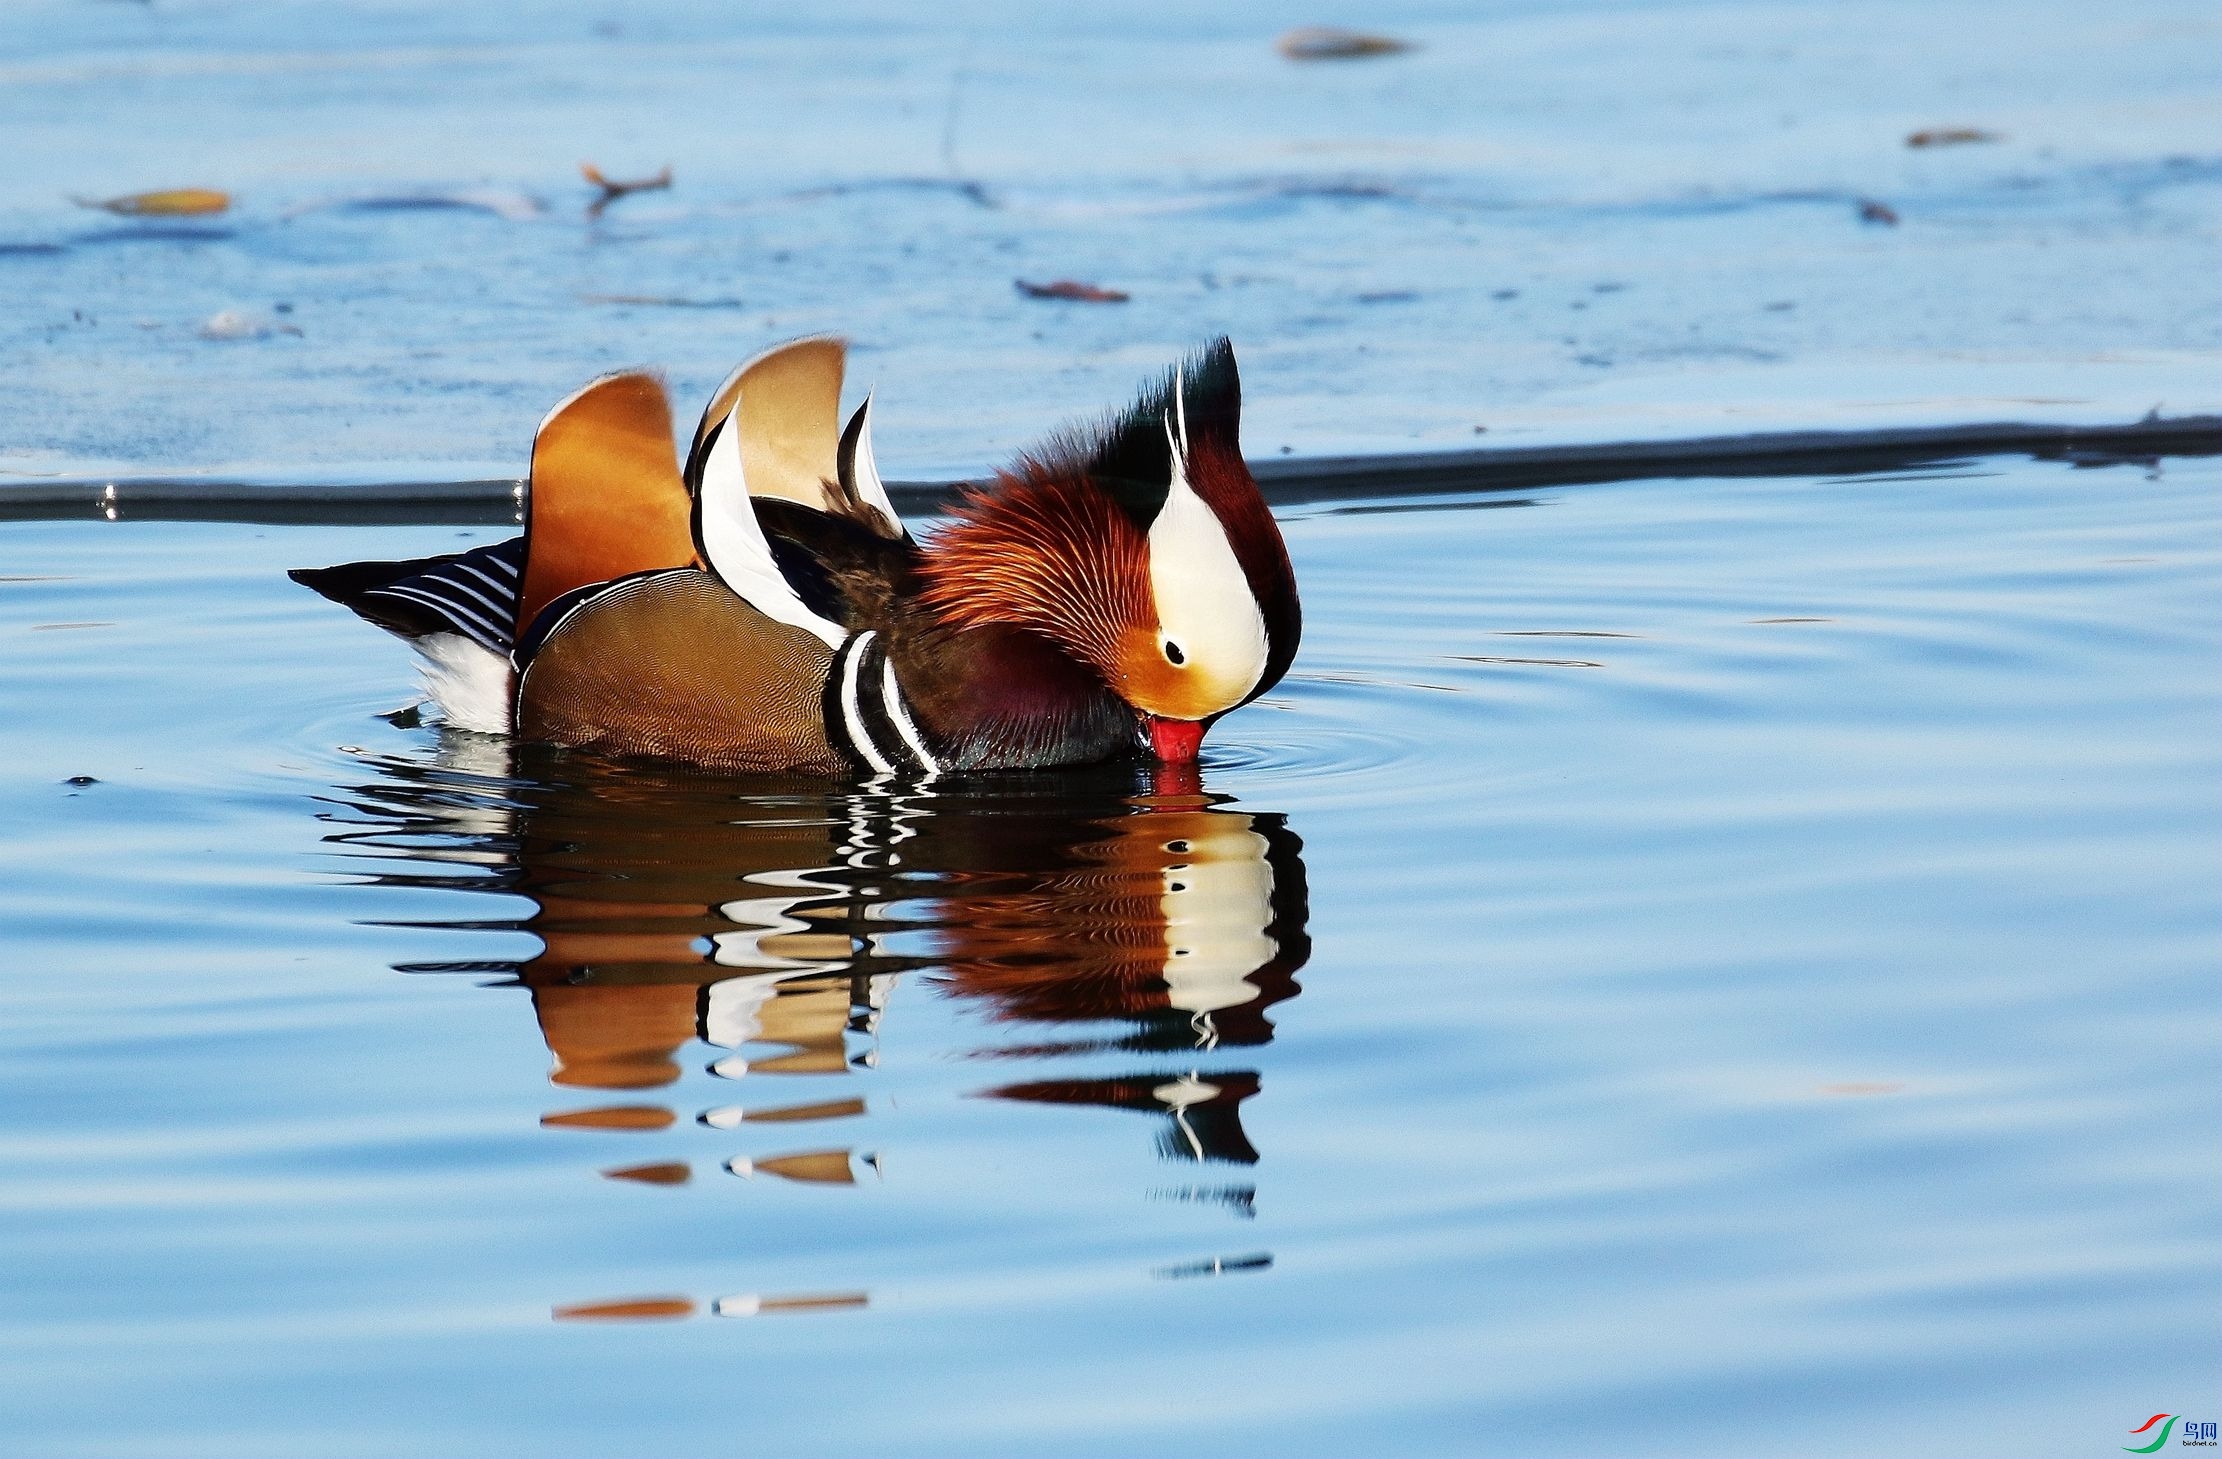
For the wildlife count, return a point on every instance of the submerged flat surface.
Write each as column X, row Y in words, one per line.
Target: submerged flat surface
column 1603, row 220
column 1717, row 966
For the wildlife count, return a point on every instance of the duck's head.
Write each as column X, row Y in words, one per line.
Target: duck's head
column 1142, row 548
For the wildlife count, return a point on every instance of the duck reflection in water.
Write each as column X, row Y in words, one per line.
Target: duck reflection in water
column 1119, row 911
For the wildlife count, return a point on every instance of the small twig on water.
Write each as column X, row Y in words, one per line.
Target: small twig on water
column 613, row 188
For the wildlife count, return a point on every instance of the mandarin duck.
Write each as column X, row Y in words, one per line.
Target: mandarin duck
column 763, row 608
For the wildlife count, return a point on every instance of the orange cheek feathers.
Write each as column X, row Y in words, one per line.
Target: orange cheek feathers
column 1145, row 680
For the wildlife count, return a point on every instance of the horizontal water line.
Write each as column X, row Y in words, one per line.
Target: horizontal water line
column 341, row 497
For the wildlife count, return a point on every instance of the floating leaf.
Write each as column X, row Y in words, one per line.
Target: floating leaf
column 1330, row 43
column 1071, row 289
column 1951, row 137
column 176, row 202
column 614, row 188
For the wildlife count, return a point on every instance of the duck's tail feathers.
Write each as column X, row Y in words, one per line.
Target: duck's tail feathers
column 472, row 594
column 472, row 685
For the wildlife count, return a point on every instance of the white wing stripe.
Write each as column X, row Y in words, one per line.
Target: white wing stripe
column 506, row 589
column 852, row 712
column 461, row 614
column 733, row 539
column 900, row 714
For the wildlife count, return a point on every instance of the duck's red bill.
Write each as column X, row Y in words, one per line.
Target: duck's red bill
column 1176, row 741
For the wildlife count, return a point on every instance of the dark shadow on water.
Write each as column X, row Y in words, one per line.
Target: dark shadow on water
column 1120, row 914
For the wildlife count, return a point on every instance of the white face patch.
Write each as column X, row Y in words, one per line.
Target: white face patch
column 1210, row 626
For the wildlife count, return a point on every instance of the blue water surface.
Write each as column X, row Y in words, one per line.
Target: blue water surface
column 1719, row 966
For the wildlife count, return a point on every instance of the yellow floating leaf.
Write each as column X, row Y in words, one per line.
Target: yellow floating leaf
column 175, row 202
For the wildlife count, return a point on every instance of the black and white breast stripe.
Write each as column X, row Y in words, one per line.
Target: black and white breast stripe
column 474, row 593
column 866, row 718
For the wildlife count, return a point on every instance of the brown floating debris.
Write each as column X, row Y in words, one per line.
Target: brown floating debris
column 175, row 202
column 1951, row 137
column 631, row 1309
column 1332, row 43
column 1872, row 211
column 614, row 188
column 1071, row 289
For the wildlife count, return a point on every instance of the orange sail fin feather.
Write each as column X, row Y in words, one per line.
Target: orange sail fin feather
column 606, row 498
column 790, row 400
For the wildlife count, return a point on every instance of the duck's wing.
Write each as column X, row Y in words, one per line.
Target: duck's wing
column 606, row 498
column 734, row 666
column 793, row 444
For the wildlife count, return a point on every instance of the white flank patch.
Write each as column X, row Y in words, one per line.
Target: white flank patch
column 469, row 683
column 1204, row 603
column 734, row 540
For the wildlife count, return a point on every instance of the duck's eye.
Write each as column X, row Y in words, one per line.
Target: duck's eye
column 1173, row 654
